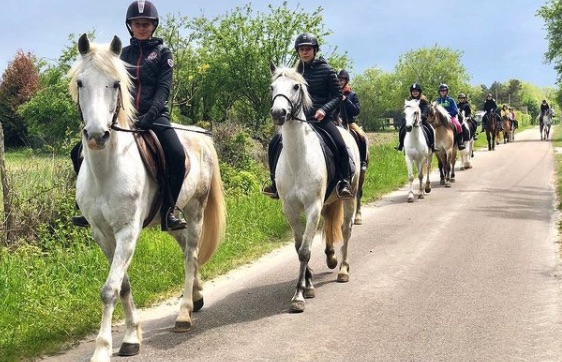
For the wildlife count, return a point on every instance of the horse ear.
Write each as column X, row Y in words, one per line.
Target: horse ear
column 83, row 44
column 272, row 67
column 116, row 45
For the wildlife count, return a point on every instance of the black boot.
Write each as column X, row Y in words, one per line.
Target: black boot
column 460, row 143
column 175, row 223
column 344, row 189
column 401, row 136
column 80, row 221
column 399, row 147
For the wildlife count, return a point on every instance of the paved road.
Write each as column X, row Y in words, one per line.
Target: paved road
column 471, row 273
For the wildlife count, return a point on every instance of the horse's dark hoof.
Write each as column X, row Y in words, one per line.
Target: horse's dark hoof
column 182, row 327
column 129, row 349
column 198, row 304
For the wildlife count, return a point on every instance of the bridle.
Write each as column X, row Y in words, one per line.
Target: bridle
column 294, row 106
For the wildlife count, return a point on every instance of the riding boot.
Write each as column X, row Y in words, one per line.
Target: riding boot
column 465, row 134
column 79, row 220
column 169, row 220
column 460, row 143
column 401, row 136
column 344, row 189
column 271, row 190
column 431, row 137
column 483, row 127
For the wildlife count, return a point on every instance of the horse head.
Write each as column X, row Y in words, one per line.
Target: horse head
column 438, row 116
column 412, row 114
column 289, row 94
column 100, row 86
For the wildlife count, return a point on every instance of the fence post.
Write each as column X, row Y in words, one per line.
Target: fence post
column 5, row 226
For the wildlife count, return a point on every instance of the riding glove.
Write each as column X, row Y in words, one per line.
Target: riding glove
column 145, row 121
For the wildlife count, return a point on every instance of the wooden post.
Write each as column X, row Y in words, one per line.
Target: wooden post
column 5, row 226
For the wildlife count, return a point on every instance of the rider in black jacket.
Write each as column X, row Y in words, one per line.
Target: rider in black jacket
column 151, row 70
column 324, row 89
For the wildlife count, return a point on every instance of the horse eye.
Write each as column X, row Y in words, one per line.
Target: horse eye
column 79, row 83
column 296, row 87
column 116, row 85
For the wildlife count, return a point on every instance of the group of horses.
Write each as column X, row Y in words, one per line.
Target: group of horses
column 497, row 127
column 118, row 191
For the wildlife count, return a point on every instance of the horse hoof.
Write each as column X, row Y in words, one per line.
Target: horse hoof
column 421, row 197
column 129, row 349
column 310, row 293
column 331, row 260
column 198, row 304
column 448, row 185
column 442, row 182
column 427, row 189
column 342, row 277
column 358, row 221
column 410, row 199
column 182, row 327
column 297, row 306
column 453, row 180
column 461, row 168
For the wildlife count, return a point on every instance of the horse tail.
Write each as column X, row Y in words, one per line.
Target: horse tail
column 333, row 220
column 214, row 217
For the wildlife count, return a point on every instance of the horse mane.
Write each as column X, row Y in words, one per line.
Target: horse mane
column 100, row 57
column 292, row 74
column 442, row 113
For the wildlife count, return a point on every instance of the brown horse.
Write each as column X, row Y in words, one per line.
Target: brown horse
column 444, row 142
column 506, row 126
column 493, row 126
column 360, row 143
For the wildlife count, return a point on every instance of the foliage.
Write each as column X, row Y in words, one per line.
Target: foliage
column 20, row 81
column 551, row 12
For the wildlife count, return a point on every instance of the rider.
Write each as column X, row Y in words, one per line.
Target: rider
column 513, row 118
column 544, row 109
column 416, row 93
column 465, row 106
column 349, row 109
column 326, row 96
column 489, row 106
column 449, row 104
column 152, row 78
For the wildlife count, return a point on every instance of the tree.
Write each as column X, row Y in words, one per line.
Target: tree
column 551, row 12
column 20, row 81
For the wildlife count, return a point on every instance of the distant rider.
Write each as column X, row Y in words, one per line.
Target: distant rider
column 416, row 93
column 450, row 105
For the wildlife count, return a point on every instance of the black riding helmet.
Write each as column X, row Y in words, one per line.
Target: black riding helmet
column 443, row 86
column 342, row 73
column 141, row 10
column 416, row 86
column 307, row 39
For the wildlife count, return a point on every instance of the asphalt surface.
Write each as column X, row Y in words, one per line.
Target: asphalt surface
column 470, row 273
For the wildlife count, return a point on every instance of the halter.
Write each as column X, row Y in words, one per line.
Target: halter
column 292, row 114
column 118, row 106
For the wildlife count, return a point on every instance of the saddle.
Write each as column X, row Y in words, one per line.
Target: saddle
column 330, row 156
column 154, row 161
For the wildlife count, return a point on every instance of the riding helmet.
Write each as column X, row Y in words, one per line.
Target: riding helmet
column 342, row 73
column 307, row 39
column 462, row 95
column 141, row 9
column 443, row 86
column 416, row 86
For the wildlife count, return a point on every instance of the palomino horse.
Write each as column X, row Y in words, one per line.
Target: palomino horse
column 445, row 142
column 416, row 150
column 545, row 125
column 493, row 126
column 115, row 191
column 302, row 181
column 468, row 151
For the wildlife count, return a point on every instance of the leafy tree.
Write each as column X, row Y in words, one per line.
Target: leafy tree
column 551, row 12
column 20, row 81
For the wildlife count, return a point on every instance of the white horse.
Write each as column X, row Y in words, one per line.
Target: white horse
column 546, row 124
column 466, row 154
column 115, row 192
column 302, row 179
column 416, row 150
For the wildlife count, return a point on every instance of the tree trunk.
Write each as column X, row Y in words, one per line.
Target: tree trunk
column 6, row 217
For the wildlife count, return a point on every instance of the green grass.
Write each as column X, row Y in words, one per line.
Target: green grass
column 51, row 299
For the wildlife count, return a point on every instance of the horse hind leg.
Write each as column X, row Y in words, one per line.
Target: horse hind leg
column 346, row 220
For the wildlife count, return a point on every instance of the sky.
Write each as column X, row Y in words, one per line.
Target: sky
column 500, row 39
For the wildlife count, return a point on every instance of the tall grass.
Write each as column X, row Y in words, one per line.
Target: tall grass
column 50, row 297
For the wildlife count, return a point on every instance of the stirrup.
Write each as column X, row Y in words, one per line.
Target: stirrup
column 173, row 222
column 270, row 191
column 346, row 194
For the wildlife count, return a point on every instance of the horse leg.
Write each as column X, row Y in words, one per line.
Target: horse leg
column 421, row 194
column 358, row 215
column 441, row 171
column 345, row 218
column 119, row 252
column 410, row 166
column 428, row 172
column 188, row 239
column 133, row 334
column 304, row 237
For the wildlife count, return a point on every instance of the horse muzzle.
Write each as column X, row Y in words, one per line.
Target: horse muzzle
column 409, row 128
column 279, row 115
column 98, row 141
